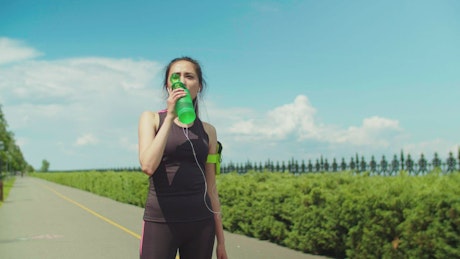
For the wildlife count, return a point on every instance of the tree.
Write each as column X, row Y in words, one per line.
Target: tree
column 10, row 153
column 45, row 166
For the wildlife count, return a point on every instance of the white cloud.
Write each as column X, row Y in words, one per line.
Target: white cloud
column 297, row 120
column 52, row 105
column 293, row 130
column 374, row 131
column 14, row 50
column 87, row 139
column 277, row 124
column 77, row 79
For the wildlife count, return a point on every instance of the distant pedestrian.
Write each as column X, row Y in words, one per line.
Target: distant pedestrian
column 182, row 211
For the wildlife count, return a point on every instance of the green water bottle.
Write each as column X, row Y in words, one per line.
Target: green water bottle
column 184, row 106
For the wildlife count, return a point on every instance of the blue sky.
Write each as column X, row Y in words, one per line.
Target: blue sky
column 286, row 79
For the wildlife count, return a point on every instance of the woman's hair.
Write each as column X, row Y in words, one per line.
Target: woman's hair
column 198, row 72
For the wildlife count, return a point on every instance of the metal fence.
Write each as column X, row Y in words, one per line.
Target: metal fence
column 383, row 166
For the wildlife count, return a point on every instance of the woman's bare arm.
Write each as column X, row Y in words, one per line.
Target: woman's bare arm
column 213, row 193
column 152, row 137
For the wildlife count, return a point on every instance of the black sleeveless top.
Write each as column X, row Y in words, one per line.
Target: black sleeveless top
column 176, row 189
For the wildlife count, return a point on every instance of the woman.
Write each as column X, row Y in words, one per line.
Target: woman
column 182, row 211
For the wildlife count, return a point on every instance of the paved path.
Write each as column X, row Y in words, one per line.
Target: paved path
column 40, row 219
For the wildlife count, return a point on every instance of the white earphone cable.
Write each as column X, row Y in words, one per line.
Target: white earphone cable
column 185, row 130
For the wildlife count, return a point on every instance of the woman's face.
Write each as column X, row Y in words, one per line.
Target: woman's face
column 188, row 76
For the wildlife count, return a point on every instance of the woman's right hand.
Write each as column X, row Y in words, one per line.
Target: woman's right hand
column 174, row 95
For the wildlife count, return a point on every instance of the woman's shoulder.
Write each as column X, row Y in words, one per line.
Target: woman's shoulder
column 150, row 117
column 209, row 128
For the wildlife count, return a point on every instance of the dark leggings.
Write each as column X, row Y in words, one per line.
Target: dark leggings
column 194, row 240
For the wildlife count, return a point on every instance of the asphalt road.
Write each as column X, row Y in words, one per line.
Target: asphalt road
column 40, row 219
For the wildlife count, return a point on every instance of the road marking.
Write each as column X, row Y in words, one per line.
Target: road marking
column 96, row 214
column 111, row 222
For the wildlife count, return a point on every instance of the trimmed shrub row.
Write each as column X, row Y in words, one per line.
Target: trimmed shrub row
column 130, row 188
column 344, row 215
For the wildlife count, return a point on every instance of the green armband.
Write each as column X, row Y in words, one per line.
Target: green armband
column 214, row 159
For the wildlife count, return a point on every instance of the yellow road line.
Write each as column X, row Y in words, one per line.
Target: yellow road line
column 111, row 222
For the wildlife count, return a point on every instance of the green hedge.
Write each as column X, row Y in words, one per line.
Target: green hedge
column 344, row 215
column 126, row 187
column 334, row 214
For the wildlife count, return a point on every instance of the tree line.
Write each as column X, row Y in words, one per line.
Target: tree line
column 11, row 158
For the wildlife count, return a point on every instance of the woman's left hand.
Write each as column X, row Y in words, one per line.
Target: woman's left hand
column 220, row 251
